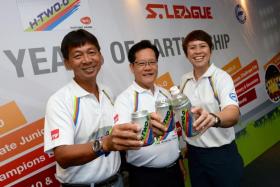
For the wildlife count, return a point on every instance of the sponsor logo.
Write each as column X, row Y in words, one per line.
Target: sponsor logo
column 240, row 14
column 55, row 134
column 54, row 15
column 164, row 11
column 85, row 20
column 233, row 96
column 272, row 83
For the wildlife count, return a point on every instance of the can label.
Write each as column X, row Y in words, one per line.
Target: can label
column 142, row 118
column 164, row 109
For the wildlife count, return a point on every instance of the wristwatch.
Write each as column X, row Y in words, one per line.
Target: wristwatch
column 97, row 147
column 217, row 120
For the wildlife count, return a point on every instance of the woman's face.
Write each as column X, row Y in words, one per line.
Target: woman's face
column 199, row 54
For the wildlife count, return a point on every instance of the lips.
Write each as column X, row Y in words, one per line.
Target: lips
column 88, row 69
column 148, row 74
column 198, row 58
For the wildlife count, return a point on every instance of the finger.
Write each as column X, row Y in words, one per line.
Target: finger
column 128, row 127
column 205, row 122
column 125, row 148
column 199, row 120
column 127, row 143
column 196, row 110
column 157, row 132
column 155, row 116
column 156, row 124
column 125, row 134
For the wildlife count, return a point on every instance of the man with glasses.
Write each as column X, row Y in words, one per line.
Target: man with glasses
column 156, row 164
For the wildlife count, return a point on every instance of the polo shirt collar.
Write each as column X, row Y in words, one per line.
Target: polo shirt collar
column 207, row 74
column 209, row 71
column 139, row 89
column 78, row 91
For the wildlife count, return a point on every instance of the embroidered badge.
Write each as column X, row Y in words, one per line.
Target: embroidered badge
column 233, row 96
column 55, row 134
column 116, row 118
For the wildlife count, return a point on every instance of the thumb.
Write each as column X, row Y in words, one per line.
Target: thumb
column 196, row 110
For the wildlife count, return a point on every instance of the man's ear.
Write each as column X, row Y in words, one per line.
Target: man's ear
column 131, row 65
column 67, row 64
column 102, row 60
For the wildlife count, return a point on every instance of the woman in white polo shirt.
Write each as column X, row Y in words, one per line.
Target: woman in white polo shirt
column 213, row 157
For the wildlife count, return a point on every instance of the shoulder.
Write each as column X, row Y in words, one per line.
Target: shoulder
column 185, row 77
column 125, row 94
column 164, row 91
column 61, row 96
column 220, row 74
column 106, row 89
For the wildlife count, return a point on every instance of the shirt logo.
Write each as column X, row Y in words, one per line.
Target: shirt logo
column 116, row 118
column 55, row 134
column 233, row 97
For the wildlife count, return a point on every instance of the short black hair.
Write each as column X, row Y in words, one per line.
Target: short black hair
column 144, row 44
column 77, row 38
column 197, row 35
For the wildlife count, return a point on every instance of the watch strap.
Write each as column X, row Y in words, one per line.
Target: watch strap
column 217, row 120
column 99, row 149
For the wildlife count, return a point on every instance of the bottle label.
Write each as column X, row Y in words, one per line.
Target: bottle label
column 187, row 123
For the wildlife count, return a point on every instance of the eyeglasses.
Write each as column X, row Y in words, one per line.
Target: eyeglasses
column 145, row 63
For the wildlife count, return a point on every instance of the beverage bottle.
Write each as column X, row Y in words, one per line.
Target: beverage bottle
column 182, row 109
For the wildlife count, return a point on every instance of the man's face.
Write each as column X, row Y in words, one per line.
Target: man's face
column 199, row 54
column 145, row 68
column 85, row 61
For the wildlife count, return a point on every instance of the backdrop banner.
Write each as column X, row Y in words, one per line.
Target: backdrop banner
column 246, row 37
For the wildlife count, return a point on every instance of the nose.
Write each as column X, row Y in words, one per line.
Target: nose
column 147, row 66
column 197, row 50
column 86, row 58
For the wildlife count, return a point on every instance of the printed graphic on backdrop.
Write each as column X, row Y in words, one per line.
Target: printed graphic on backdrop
column 245, row 79
column 40, row 15
column 272, row 82
column 272, row 78
column 21, row 150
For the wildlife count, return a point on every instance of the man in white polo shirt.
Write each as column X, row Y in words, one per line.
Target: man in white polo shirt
column 156, row 164
column 79, row 120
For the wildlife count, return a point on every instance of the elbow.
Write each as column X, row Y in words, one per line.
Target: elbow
column 61, row 162
column 61, row 158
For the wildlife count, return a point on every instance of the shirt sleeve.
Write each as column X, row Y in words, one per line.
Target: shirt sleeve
column 226, row 90
column 58, row 127
column 123, row 109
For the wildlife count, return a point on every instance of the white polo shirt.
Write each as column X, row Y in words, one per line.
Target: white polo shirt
column 201, row 94
column 74, row 116
column 159, row 154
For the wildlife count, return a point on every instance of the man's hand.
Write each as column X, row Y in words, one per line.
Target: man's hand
column 123, row 137
column 203, row 120
column 157, row 125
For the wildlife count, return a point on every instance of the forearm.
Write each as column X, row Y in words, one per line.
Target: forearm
column 74, row 155
column 229, row 116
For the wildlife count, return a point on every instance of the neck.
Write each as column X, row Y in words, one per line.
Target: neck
column 198, row 72
column 90, row 86
column 148, row 87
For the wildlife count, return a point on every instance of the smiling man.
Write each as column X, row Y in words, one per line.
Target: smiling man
column 156, row 164
column 79, row 126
